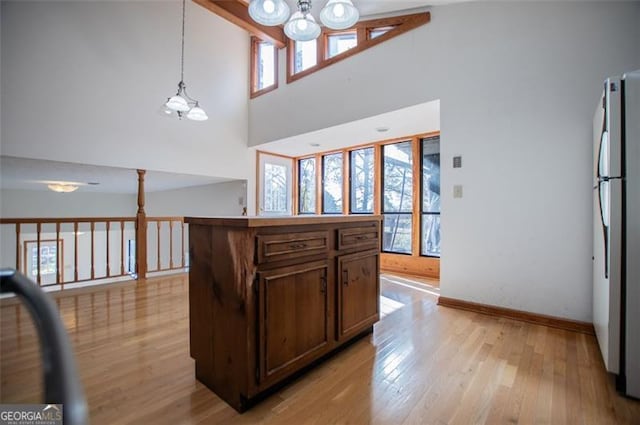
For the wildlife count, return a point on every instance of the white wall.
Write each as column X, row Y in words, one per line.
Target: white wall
column 84, row 81
column 518, row 83
column 39, row 203
column 220, row 199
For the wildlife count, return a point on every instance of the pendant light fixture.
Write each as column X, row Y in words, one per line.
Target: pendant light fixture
column 339, row 14
column 302, row 26
column 269, row 12
column 181, row 104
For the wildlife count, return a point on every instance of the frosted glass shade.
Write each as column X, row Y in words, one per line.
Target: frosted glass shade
column 339, row 14
column 197, row 114
column 269, row 12
column 302, row 28
column 177, row 103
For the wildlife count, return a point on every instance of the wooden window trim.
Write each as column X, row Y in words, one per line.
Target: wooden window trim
column 297, row 188
column 254, row 92
column 401, row 24
column 377, row 177
column 410, row 264
column 325, row 41
column 421, row 195
column 340, row 152
column 294, row 179
column 369, row 30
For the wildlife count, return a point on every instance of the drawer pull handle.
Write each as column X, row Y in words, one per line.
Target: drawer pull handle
column 362, row 238
column 297, row 245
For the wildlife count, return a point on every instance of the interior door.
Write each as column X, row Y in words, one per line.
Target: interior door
column 293, row 328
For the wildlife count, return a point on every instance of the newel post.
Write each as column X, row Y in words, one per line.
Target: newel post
column 141, row 230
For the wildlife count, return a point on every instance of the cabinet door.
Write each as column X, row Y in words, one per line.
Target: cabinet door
column 358, row 292
column 292, row 319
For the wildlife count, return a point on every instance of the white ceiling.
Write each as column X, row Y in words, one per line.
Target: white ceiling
column 417, row 119
column 30, row 174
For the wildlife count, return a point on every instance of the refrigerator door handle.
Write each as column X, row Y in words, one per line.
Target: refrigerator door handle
column 603, row 180
column 604, row 233
column 608, row 178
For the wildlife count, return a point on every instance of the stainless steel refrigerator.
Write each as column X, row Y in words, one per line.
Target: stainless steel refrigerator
column 616, row 230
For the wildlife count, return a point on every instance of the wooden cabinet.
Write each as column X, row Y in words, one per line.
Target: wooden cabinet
column 269, row 296
column 292, row 317
column 358, row 293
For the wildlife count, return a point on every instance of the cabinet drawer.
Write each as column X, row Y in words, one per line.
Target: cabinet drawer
column 291, row 245
column 361, row 237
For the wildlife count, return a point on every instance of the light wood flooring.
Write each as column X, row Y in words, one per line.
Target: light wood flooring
column 423, row 364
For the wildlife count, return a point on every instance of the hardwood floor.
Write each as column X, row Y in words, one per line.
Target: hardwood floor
column 423, row 364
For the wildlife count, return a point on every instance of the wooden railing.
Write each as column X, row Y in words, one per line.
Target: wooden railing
column 41, row 247
column 63, row 251
column 59, row 251
column 171, row 231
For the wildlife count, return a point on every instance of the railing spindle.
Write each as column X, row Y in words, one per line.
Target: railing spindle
column 122, row 248
column 38, row 228
column 182, row 245
column 171, row 244
column 108, row 267
column 92, row 253
column 158, row 223
column 75, row 251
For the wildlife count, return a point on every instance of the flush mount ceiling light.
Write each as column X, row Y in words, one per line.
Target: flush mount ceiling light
column 336, row 15
column 181, row 104
column 63, row 187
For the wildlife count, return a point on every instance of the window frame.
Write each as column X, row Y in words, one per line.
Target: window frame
column 349, row 184
column 400, row 24
column 379, row 28
column 382, row 210
column 253, row 80
column 315, row 183
column 262, row 158
column 322, row 180
column 325, row 42
column 421, row 209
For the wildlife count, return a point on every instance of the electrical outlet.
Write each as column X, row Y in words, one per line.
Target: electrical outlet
column 457, row 191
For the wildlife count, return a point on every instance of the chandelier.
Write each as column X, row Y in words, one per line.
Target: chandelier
column 301, row 26
column 181, row 104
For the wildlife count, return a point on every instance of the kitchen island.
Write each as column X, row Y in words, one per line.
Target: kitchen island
column 268, row 296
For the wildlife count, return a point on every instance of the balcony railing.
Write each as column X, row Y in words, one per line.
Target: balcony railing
column 59, row 252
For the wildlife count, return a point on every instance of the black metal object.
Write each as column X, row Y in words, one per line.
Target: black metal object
column 61, row 382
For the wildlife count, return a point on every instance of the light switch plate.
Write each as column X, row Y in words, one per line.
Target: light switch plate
column 457, row 191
